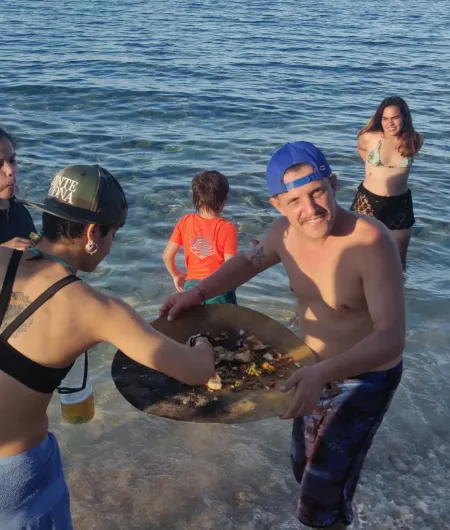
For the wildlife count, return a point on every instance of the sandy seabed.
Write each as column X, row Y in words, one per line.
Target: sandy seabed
column 129, row 470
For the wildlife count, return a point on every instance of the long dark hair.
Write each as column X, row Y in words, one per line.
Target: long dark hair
column 410, row 140
column 4, row 134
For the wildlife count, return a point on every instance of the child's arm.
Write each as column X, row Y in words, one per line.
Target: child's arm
column 231, row 242
column 179, row 278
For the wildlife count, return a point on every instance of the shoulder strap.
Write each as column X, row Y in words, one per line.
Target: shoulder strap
column 41, row 299
column 8, row 283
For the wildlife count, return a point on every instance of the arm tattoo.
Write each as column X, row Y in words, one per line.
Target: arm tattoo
column 18, row 303
column 258, row 256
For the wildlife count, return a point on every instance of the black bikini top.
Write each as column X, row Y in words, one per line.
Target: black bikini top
column 30, row 373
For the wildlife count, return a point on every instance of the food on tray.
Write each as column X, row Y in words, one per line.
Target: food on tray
column 215, row 383
column 251, row 364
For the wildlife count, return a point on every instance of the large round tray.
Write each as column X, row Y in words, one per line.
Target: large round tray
column 155, row 393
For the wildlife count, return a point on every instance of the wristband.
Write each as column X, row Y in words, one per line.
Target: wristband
column 193, row 339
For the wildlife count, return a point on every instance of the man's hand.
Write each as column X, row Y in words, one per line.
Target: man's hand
column 308, row 383
column 177, row 303
column 179, row 282
column 19, row 243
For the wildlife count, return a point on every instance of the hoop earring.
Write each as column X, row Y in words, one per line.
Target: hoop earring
column 91, row 247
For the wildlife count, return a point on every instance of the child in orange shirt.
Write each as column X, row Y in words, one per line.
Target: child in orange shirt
column 208, row 240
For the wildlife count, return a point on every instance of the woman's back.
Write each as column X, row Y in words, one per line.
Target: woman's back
column 83, row 209
column 47, row 338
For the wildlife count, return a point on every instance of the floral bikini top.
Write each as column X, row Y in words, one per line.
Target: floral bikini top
column 374, row 159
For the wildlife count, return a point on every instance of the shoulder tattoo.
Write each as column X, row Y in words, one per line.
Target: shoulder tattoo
column 18, row 303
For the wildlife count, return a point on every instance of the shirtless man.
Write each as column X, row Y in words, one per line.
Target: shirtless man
column 347, row 275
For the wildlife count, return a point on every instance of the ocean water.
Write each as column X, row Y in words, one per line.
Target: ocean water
column 155, row 91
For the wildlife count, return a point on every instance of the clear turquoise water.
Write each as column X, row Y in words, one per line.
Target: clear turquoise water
column 156, row 91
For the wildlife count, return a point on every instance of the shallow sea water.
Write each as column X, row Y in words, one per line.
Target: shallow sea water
column 155, row 91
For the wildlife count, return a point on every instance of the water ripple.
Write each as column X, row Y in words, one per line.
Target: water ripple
column 156, row 91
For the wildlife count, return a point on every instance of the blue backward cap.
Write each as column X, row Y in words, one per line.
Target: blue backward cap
column 289, row 155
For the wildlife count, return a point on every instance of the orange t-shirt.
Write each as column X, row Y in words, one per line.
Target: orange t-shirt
column 205, row 242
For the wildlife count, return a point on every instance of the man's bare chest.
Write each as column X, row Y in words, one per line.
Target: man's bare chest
column 331, row 283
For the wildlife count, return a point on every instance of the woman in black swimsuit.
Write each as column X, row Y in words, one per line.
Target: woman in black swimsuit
column 15, row 221
column 388, row 145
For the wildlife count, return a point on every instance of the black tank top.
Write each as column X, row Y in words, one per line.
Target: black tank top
column 15, row 222
column 30, row 373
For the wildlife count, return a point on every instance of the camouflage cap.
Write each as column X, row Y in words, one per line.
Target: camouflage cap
column 85, row 194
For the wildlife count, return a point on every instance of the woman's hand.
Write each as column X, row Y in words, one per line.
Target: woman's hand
column 19, row 243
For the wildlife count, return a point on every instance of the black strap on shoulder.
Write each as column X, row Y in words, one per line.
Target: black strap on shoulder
column 41, row 299
column 8, row 283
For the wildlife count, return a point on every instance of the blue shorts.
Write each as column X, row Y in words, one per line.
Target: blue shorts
column 329, row 447
column 33, row 492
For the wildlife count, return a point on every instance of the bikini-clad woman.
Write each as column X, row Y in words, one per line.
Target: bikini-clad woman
column 48, row 318
column 388, row 145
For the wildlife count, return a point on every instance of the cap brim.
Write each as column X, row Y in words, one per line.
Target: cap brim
column 62, row 212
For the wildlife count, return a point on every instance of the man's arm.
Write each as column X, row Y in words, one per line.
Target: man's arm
column 382, row 278
column 243, row 267
column 235, row 272
column 118, row 323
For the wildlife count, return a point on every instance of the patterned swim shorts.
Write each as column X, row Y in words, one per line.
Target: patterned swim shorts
column 329, row 447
